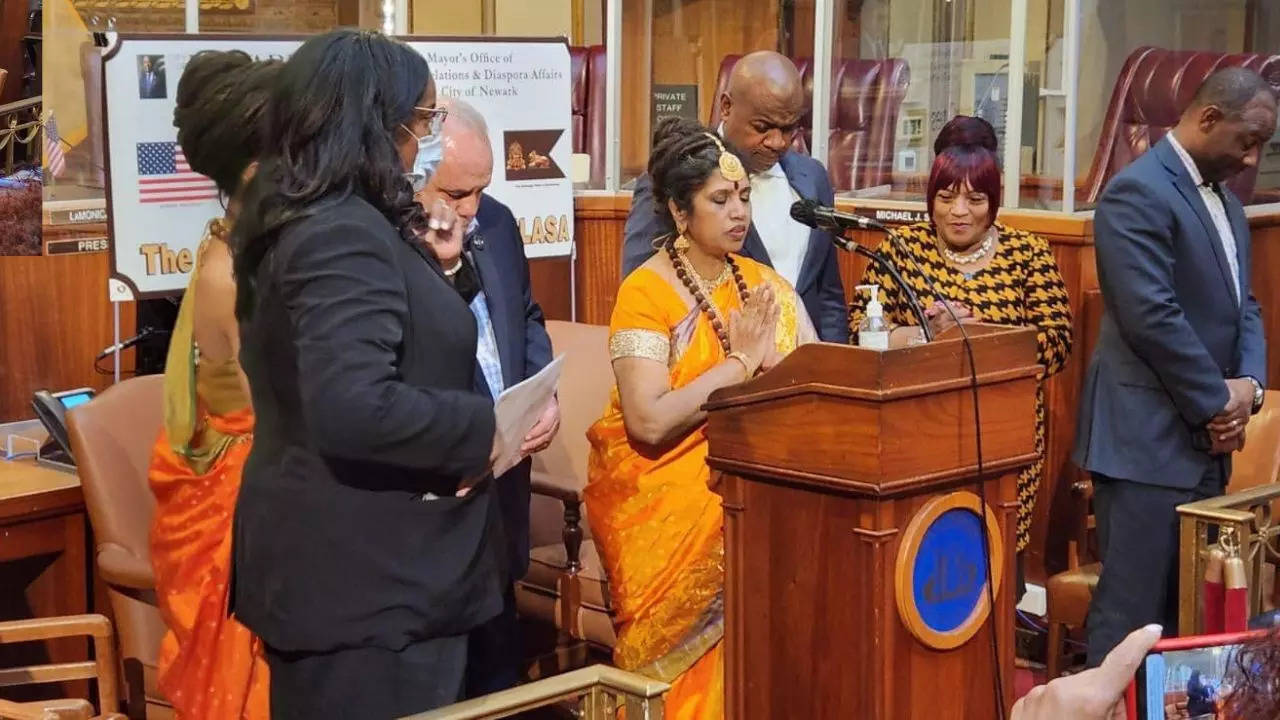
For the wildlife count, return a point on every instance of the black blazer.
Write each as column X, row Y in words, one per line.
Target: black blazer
column 819, row 285
column 523, row 346
column 361, row 360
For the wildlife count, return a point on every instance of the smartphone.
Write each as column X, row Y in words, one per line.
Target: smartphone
column 1187, row 678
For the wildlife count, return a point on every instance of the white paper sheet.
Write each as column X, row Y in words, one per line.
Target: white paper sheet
column 517, row 411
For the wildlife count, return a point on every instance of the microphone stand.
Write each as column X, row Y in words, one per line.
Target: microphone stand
column 853, row 246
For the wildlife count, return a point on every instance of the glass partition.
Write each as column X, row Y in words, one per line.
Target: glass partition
column 1139, row 63
column 900, row 69
column 676, row 55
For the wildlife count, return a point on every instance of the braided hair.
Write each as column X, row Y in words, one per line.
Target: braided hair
column 684, row 156
column 218, row 113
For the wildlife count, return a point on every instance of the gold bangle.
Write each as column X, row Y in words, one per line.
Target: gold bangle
column 742, row 358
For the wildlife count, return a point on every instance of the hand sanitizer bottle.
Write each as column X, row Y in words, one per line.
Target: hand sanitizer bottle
column 873, row 331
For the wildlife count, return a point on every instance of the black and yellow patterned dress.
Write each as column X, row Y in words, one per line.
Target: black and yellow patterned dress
column 1020, row 286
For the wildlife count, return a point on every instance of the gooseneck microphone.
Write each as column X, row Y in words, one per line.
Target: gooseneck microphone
column 813, row 214
column 809, row 212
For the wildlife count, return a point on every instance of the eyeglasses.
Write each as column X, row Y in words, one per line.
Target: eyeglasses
column 434, row 117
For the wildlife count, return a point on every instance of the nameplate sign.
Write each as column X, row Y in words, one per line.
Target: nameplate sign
column 891, row 216
column 82, row 216
column 76, row 246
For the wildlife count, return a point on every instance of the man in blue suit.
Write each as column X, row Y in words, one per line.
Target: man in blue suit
column 1180, row 362
column 150, row 78
column 489, row 269
column 761, row 110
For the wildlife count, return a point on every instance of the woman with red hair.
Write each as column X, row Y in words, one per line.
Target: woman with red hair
column 987, row 272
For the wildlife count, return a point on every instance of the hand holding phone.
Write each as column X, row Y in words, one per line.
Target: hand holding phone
column 1095, row 694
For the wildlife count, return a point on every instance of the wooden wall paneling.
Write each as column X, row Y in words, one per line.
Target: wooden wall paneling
column 1265, row 234
column 1053, row 520
column 274, row 16
column 549, row 282
column 599, row 223
column 637, row 68
column 54, row 318
column 13, row 26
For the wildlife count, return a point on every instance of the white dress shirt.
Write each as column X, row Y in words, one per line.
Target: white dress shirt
column 784, row 238
column 1212, row 198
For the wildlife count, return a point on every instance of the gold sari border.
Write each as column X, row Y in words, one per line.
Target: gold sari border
column 704, row 636
column 647, row 344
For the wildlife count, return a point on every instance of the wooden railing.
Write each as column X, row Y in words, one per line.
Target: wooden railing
column 1246, row 514
column 20, row 124
column 598, row 692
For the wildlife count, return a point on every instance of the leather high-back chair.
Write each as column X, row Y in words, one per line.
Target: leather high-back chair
column 566, row 589
column 867, row 96
column 578, row 96
column 597, row 73
column 587, row 73
column 112, row 437
column 1153, row 88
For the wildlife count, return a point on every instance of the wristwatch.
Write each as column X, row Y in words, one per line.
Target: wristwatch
column 1259, row 394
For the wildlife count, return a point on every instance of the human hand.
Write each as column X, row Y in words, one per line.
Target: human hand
column 941, row 321
column 1226, row 444
column 543, row 431
column 1096, row 694
column 1239, row 403
column 444, row 233
column 753, row 329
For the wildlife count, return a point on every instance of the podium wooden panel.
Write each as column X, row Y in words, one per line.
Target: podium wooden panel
column 822, row 464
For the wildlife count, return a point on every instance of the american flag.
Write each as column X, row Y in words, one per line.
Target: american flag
column 165, row 177
column 54, row 160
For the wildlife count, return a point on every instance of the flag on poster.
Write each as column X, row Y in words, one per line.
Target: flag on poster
column 165, row 177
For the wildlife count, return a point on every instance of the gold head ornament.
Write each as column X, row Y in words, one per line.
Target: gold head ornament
column 730, row 166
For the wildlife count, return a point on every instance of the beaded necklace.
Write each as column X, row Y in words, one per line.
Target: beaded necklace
column 697, row 287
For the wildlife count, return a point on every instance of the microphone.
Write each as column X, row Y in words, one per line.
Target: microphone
column 809, row 212
column 122, row 346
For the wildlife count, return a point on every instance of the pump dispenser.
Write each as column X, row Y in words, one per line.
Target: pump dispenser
column 873, row 331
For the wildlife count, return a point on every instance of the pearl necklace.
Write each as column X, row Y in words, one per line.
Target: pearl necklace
column 969, row 258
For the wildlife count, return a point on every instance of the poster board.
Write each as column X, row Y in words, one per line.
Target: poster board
column 157, row 207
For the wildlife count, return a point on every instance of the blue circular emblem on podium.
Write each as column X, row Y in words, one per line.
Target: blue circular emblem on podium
column 942, row 570
column 949, row 577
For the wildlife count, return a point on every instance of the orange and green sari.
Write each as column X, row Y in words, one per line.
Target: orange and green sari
column 657, row 525
column 210, row 665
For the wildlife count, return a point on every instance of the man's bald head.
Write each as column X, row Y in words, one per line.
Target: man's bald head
column 761, row 107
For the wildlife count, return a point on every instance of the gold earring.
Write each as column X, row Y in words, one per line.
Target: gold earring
column 682, row 242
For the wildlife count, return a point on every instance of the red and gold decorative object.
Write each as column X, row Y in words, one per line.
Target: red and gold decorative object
column 1212, row 618
column 1235, row 613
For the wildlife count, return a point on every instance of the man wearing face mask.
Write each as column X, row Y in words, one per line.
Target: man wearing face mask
column 1180, row 362
column 760, row 111
column 488, row 268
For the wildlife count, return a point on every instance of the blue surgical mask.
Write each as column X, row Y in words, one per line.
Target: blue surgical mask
column 427, row 160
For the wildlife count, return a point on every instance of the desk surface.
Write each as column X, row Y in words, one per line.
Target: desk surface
column 28, row 489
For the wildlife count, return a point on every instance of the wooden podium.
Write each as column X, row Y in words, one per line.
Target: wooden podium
column 853, row 553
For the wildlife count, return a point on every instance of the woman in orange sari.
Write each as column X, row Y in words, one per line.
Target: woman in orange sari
column 210, row 665
column 694, row 318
